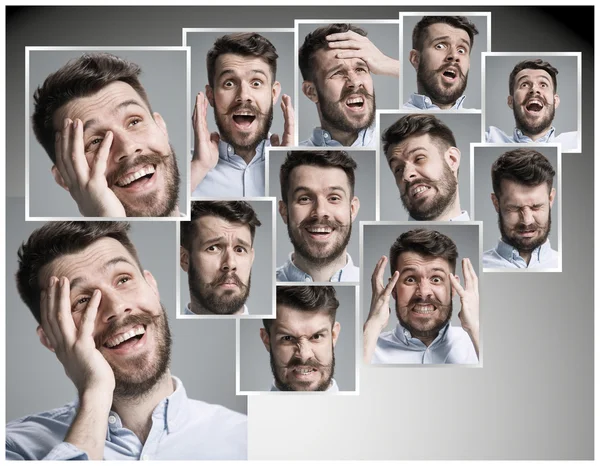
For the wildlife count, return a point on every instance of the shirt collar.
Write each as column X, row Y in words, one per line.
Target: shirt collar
column 227, row 152
column 321, row 137
column 511, row 253
column 406, row 338
column 423, row 102
column 294, row 274
column 518, row 136
column 333, row 387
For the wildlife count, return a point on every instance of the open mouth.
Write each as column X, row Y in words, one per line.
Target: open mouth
column 304, row 371
column 319, row 232
column 423, row 309
column 534, row 106
column 126, row 339
column 244, row 119
column 450, row 73
column 138, row 178
column 419, row 190
column 356, row 102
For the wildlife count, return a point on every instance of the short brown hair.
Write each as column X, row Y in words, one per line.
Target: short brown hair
column 523, row 166
column 232, row 211
column 537, row 64
column 246, row 44
column 458, row 22
column 315, row 40
column 415, row 124
column 57, row 239
column 80, row 77
column 428, row 243
column 306, row 299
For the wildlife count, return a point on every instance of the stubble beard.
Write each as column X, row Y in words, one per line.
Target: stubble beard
column 531, row 128
column 243, row 142
column 428, row 81
column 432, row 332
column 328, row 370
column 520, row 244
column 334, row 118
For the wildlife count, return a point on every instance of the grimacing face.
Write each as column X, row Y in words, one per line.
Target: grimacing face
column 423, row 294
column 319, row 213
column 129, row 302
column 426, row 176
column 219, row 265
column 142, row 168
column 301, row 347
column 443, row 64
column 524, row 216
column 343, row 91
column 243, row 97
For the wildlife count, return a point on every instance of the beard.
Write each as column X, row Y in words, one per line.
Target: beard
column 424, row 209
column 428, row 81
column 242, row 142
column 525, row 244
column 205, row 296
column 317, row 254
column 433, row 330
column 335, row 118
column 142, row 373
column 150, row 204
column 530, row 128
column 326, row 369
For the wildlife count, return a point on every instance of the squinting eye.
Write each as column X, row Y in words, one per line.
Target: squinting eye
column 95, row 141
column 286, row 338
column 123, row 280
column 134, row 122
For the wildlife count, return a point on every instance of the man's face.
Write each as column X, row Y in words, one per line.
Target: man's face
column 243, row 99
column 131, row 329
column 301, row 349
column 319, row 213
column 142, row 168
column 423, row 294
column 343, row 92
column 524, row 214
column 220, row 264
column 426, row 176
column 443, row 64
column 533, row 101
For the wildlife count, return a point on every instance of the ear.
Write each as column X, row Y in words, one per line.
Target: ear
column 394, row 294
column 413, row 58
column 552, row 195
column 58, row 178
column 556, row 101
column 276, row 91
column 495, row 202
column 43, row 338
column 453, row 289
column 152, row 282
column 210, row 95
column 184, row 258
column 160, row 122
column 452, row 156
column 264, row 336
column 335, row 332
column 310, row 91
column 509, row 101
column 283, row 212
column 354, row 207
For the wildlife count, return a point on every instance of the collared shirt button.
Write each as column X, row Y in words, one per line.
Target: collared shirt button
column 307, row 279
column 326, row 135
column 229, row 149
column 112, row 419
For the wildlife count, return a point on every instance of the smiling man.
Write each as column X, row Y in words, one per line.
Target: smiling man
column 423, row 283
column 242, row 89
column 217, row 254
column 318, row 206
column 336, row 62
column 109, row 150
column 533, row 98
column 99, row 311
column 441, row 56
column 302, row 338
column 523, row 196
column 422, row 155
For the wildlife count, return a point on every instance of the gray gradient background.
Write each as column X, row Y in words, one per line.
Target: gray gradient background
column 484, row 157
column 364, row 189
column 377, row 242
column 385, row 38
column 466, row 129
column 261, row 290
column 36, row 380
column 529, row 401
column 164, row 76
column 200, row 42
column 409, row 74
column 255, row 370
column 497, row 71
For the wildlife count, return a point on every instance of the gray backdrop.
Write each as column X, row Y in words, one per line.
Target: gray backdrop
column 384, row 37
column 263, row 276
column 364, row 189
column 497, row 71
column 36, row 380
column 530, row 401
column 409, row 74
column 255, row 370
column 200, row 42
column 466, row 129
column 377, row 242
column 164, row 76
column 484, row 157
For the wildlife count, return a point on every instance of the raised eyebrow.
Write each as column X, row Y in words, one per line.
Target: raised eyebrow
column 107, row 265
column 221, row 240
column 232, row 71
column 126, row 103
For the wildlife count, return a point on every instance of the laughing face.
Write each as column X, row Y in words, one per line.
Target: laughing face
column 533, row 102
column 301, row 347
column 142, row 168
column 131, row 329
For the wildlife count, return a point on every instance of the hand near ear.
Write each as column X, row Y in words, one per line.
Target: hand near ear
column 206, row 144
column 288, row 128
column 469, row 300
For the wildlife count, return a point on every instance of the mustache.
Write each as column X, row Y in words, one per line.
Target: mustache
column 532, row 226
column 457, row 69
column 410, row 184
column 227, row 277
column 143, row 159
column 348, row 92
column 419, row 300
column 321, row 222
column 249, row 107
column 295, row 362
column 115, row 327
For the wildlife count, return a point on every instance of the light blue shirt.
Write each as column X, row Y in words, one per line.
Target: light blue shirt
column 568, row 141
column 452, row 346
column 506, row 256
column 333, row 387
column 288, row 272
column 232, row 177
column 422, row 102
column 463, row 217
column 182, row 429
column 186, row 311
column 322, row 138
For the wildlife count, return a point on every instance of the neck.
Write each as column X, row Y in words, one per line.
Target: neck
column 320, row 273
column 536, row 136
column 136, row 413
column 452, row 211
column 346, row 139
column 198, row 309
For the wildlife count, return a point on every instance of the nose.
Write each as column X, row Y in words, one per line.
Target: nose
column 409, row 172
column 527, row 216
column 424, row 289
column 125, row 145
column 534, row 89
column 354, row 80
column 320, row 208
column 304, row 350
column 244, row 93
column 113, row 306
column 452, row 54
column 229, row 263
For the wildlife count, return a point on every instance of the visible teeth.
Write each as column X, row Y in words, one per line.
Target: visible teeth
column 319, row 230
column 424, row 309
column 139, row 330
column 244, row 114
column 304, row 371
column 420, row 189
column 135, row 176
column 356, row 100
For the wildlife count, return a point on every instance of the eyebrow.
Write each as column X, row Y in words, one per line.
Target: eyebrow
column 219, row 239
column 462, row 39
column 124, row 104
column 288, row 332
column 526, row 76
column 411, row 268
column 109, row 264
column 405, row 153
column 341, row 65
column 306, row 188
column 232, row 71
